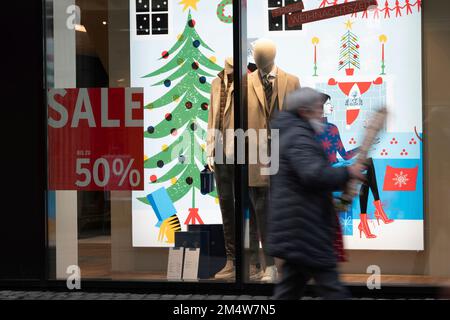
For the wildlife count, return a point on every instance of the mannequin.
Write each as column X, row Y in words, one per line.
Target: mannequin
column 264, row 53
column 268, row 87
column 228, row 69
column 220, row 119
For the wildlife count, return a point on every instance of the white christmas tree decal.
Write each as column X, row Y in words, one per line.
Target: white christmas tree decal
column 349, row 54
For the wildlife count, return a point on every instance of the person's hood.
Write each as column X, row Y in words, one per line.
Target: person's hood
column 285, row 120
column 305, row 98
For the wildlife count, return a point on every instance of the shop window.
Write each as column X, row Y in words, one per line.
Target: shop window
column 280, row 23
column 152, row 17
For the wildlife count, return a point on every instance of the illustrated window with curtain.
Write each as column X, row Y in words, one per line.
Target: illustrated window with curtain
column 152, row 17
column 280, row 23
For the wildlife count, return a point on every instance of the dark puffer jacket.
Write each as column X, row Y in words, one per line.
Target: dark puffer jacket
column 302, row 220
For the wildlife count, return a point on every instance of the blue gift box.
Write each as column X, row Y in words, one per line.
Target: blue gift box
column 346, row 220
column 161, row 204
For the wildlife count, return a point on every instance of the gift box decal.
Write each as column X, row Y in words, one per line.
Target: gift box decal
column 346, row 220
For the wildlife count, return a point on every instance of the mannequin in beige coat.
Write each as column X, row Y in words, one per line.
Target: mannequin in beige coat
column 259, row 111
column 224, row 77
column 219, row 149
column 267, row 90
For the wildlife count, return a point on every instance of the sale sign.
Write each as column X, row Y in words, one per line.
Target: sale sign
column 95, row 139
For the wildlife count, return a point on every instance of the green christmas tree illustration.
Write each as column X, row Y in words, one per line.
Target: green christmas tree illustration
column 349, row 53
column 187, row 87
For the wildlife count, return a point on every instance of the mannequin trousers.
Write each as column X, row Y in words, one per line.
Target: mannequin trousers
column 224, row 176
column 258, row 221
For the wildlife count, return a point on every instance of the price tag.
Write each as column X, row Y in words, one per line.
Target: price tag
column 191, row 260
column 175, row 264
column 95, row 139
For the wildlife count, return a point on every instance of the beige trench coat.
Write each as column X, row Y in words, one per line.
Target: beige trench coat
column 285, row 83
column 214, row 118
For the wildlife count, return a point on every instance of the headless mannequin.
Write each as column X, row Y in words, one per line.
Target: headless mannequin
column 268, row 88
column 229, row 65
column 221, row 118
column 228, row 70
column 264, row 53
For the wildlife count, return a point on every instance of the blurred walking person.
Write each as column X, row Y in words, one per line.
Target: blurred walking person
column 302, row 224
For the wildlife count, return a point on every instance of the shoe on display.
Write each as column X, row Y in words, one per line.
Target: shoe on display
column 227, row 273
column 380, row 214
column 255, row 273
column 270, row 275
column 364, row 227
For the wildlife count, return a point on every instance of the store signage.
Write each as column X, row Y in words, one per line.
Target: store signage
column 295, row 7
column 95, row 139
column 343, row 9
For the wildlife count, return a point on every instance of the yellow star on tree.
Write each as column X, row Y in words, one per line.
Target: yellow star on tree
column 189, row 3
column 349, row 25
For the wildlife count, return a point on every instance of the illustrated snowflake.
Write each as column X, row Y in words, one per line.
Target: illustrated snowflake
column 339, row 145
column 334, row 131
column 401, row 179
column 326, row 144
column 332, row 158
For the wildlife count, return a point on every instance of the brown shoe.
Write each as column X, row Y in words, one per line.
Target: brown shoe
column 227, row 273
column 270, row 275
column 256, row 273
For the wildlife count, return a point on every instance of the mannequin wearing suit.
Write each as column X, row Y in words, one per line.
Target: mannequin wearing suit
column 267, row 89
column 219, row 148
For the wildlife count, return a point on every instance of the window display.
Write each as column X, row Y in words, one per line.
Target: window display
column 365, row 61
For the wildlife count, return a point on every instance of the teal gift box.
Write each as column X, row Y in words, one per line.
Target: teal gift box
column 346, row 220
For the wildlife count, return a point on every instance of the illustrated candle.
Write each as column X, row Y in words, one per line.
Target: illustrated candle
column 315, row 55
column 383, row 40
column 315, row 42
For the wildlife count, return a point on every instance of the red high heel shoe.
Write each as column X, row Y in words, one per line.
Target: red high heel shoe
column 364, row 227
column 380, row 214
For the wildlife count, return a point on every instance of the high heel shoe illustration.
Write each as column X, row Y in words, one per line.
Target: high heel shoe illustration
column 380, row 214
column 364, row 227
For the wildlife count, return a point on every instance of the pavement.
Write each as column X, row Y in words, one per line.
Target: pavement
column 52, row 295
column 79, row 295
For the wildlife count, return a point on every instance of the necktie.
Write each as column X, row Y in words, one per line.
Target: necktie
column 268, row 90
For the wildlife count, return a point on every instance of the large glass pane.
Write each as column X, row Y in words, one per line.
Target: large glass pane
column 364, row 61
column 150, row 194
